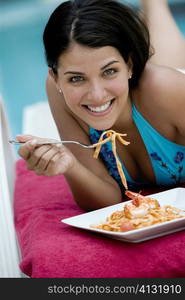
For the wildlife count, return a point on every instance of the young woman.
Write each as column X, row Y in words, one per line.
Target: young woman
column 101, row 77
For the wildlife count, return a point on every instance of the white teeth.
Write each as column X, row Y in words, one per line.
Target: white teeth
column 99, row 108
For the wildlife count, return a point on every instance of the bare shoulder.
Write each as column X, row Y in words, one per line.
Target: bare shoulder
column 163, row 82
column 162, row 89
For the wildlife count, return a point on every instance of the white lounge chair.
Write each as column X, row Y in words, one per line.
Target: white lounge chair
column 38, row 120
column 9, row 251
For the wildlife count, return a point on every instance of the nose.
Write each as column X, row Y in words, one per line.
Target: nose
column 97, row 92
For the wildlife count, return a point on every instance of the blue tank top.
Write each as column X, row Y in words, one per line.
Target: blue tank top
column 167, row 158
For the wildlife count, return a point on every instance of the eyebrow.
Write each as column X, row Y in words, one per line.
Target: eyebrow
column 102, row 68
column 110, row 63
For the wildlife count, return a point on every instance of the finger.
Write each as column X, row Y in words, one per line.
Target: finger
column 37, row 155
column 30, row 145
column 60, row 163
column 53, row 162
column 52, row 167
column 46, row 157
column 24, row 137
column 26, row 150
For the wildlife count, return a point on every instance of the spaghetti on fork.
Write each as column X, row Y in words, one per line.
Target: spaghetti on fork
column 112, row 136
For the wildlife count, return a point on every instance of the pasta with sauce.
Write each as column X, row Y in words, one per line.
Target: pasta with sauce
column 141, row 212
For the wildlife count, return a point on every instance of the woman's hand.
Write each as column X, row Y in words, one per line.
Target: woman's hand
column 48, row 160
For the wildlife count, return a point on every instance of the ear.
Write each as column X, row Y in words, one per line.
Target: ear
column 52, row 74
column 130, row 67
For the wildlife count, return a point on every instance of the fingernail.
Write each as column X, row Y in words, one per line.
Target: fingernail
column 33, row 142
column 18, row 135
column 23, row 135
column 58, row 145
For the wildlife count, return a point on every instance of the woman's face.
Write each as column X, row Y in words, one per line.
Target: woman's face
column 94, row 82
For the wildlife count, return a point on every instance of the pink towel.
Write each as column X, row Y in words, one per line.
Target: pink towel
column 51, row 249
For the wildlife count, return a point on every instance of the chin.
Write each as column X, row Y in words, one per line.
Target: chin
column 102, row 126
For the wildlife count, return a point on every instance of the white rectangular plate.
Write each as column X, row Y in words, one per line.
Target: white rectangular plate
column 174, row 197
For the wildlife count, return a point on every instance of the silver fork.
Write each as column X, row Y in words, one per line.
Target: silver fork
column 14, row 142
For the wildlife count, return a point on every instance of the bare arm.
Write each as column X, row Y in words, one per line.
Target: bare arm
column 166, row 37
column 90, row 190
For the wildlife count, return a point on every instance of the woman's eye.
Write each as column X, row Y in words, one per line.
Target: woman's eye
column 109, row 72
column 75, row 79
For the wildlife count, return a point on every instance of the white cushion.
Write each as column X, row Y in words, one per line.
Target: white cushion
column 38, row 121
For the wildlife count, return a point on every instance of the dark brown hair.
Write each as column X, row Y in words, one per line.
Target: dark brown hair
column 98, row 23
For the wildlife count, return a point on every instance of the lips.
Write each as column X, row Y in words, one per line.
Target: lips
column 99, row 109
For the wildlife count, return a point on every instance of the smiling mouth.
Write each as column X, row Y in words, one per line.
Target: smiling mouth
column 99, row 109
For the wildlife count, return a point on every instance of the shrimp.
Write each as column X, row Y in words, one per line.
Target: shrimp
column 132, row 211
column 126, row 226
column 138, row 199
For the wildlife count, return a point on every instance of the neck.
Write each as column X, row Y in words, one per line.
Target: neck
column 125, row 122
